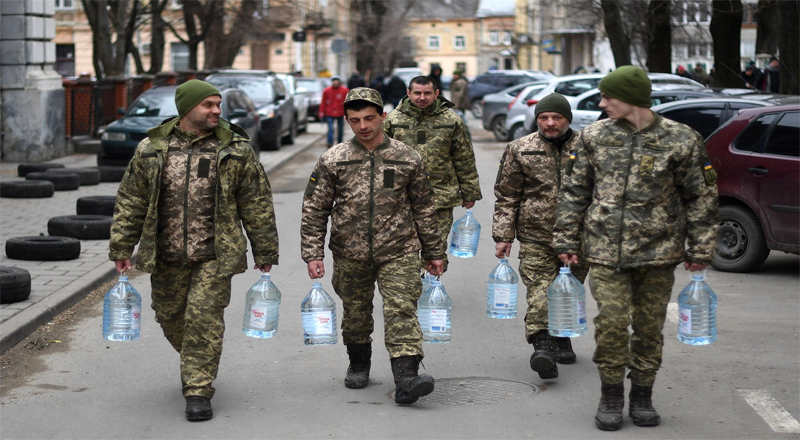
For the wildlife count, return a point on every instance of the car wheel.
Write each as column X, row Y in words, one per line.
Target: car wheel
column 289, row 138
column 499, row 128
column 273, row 142
column 43, row 248
column 15, row 284
column 82, row 227
column 741, row 245
column 476, row 108
column 517, row 131
column 27, row 189
column 106, row 161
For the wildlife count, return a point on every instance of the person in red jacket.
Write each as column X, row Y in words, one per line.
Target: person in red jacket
column 332, row 108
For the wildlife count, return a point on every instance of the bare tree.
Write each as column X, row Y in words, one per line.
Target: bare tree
column 113, row 25
column 788, row 40
column 157, row 41
column 726, row 25
column 380, row 40
column 617, row 33
column 658, row 43
column 767, row 16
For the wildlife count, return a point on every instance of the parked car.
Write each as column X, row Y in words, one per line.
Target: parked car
column 497, row 80
column 515, row 119
column 404, row 73
column 756, row 155
column 495, row 109
column 120, row 138
column 300, row 101
column 275, row 107
column 312, row 88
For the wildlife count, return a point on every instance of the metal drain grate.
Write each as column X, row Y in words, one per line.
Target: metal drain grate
column 477, row 391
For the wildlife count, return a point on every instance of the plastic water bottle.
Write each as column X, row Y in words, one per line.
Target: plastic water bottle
column 566, row 305
column 261, row 309
column 434, row 309
column 122, row 312
column 426, row 282
column 464, row 241
column 319, row 317
column 697, row 316
column 501, row 296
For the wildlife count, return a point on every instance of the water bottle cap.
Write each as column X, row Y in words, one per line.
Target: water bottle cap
column 469, row 211
column 698, row 276
column 564, row 270
column 436, row 283
column 264, row 275
column 123, row 278
column 504, row 260
column 317, row 285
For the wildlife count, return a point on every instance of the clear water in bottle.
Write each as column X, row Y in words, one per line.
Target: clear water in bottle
column 464, row 240
column 319, row 317
column 426, row 282
column 122, row 312
column 434, row 309
column 261, row 308
column 566, row 305
column 501, row 296
column 697, row 313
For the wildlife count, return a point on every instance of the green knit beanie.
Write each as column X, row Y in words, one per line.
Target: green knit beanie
column 191, row 93
column 554, row 102
column 628, row 84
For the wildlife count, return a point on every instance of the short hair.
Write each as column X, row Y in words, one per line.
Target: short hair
column 422, row 80
column 361, row 105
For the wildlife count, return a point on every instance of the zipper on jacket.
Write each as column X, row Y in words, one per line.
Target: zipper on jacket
column 186, row 204
column 624, row 202
column 370, row 238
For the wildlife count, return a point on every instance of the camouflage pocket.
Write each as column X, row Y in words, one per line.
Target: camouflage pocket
column 646, row 165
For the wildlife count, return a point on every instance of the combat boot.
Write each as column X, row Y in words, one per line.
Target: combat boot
column 543, row 360
column 640, row 406
column 198, row 408
column 409, row 385
column 609, row 412
column 564, row 353
column 358, row 371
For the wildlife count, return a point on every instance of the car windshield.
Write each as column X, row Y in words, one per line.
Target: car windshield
column 310, row 85
column 259, row 90
column 154, row 104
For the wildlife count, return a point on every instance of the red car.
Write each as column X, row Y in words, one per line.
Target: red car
column 757, row 158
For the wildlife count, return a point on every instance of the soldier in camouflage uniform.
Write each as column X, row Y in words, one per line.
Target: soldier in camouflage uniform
column 376, row 192
column 188, row 190
column 641, row 198
column 526, row 190
column 425, row 121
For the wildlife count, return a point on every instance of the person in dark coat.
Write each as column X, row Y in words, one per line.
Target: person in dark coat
column 356, row 80
column 772, row 78
column 378, row 85
column 395, row 90
column 436, row 76
column 752, row 77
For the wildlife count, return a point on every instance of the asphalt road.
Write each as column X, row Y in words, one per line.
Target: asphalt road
column 746, row 385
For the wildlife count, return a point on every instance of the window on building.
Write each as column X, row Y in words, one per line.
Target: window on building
column 679, row 50
column 408, row 47
column 433, row 42
column 749, row 14
column 65, row 59
column 704, row 12
column 494, row 38
column 507, row 38
column 65, row 4
column 461, row 66
column 459, row 42
column 180, row 56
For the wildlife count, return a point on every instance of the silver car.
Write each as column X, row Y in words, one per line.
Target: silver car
column 301, row 101
column 495, row 109
column 515, row 119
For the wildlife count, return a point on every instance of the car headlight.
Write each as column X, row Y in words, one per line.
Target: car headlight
column 266, row 115
column 114, row 136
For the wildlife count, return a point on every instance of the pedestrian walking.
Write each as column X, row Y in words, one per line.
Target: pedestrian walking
column 375, row 191
column 640, row 198
column 699, row 74
column 526, row 192
column 772, row 77
column 356, row 80
column 436, row 76
column 752, row 77
column 423, row 120
column 459, row 94
column 190, row 187
column 331, row 110
column 396, row 90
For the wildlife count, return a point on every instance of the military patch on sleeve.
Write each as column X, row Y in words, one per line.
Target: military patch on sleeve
column 499, row 172
column 709, row 174
column 646, row 165
column 312, row 185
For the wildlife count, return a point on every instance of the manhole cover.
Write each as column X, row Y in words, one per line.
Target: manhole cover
column 477, row 391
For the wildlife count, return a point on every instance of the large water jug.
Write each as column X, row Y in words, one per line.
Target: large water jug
column 426, row 282
column 434, row 309
column 566, row 305
column 319, row 317
column 501, row 296
column 697, row 315
column 261, row 309
column 466, row 232
column 122, row 312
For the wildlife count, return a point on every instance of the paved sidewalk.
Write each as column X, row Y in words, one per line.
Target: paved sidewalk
column 57, row 285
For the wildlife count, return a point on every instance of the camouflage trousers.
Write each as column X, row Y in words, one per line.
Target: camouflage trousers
column 538, row 267
column 189, row 301
column 399, row 285
column 444, row 218
column 630, row 297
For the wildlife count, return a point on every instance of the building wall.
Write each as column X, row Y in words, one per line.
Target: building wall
column 448, row 56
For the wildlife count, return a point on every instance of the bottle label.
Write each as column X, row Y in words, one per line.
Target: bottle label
column 258, row 315
column 136, row 317
column 318, row 323
column 455, row 241
column 581, row 312
column 438, row 322
column 685, row 321
column 502, row 297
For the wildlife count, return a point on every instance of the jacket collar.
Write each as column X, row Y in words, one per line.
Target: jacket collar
column 225, row 132
column 440, row 105
column 359, row 146
column 627, row 126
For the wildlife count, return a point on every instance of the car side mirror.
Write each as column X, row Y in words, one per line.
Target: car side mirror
column 280, row 97
column 121, row 111
column 239, row 113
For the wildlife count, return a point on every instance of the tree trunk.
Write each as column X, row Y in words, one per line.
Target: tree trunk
column 726, row 25
column 767, row 17
column 788, row 41
column 615, row 29
column 157, row 41
column 659, row 37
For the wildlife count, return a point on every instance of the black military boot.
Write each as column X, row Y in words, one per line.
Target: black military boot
column 609, row 412
column 409, row 386
column 543, row 360
column 198, row 408
column 358, row 371
column 564, row 353
column 640, row 406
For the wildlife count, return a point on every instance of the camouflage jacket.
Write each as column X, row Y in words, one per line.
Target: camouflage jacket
column 633, row 198
column 526, row 189
column 442, row 139
column 380, row 204
column 243, row 197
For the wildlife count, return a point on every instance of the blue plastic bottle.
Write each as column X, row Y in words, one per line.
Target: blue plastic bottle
column 566, row 305
column 466, row 232
column 261, row 309
column 122, row 312
column 501, row 296
column 319, row 317
column 434, row 309
column 697, row 316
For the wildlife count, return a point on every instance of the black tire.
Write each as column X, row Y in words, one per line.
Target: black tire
column 82, row 227
column 289, row 138
column 43, row 248
column 111, row 173
column 88, row 176
column 96, row 205
column 24, row 168
column 499, row 128
column 741, row 244
column 106, row 161
column 476, row 108
column 274, row 142
column 15, row 284
column 61, row 181
column 517, row 131
column 27, row 189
